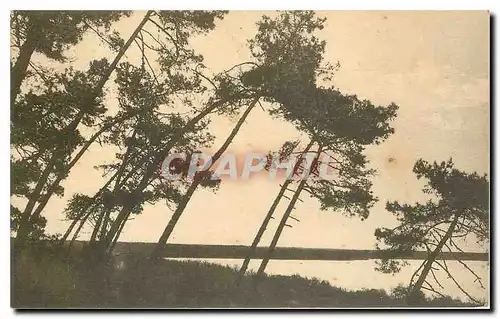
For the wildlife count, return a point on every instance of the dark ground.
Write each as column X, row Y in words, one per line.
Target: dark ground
column 41, row 280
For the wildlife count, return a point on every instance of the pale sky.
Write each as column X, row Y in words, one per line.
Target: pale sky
column 434, row 65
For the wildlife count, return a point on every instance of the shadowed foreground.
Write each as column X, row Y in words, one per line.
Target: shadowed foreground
column 41, row 280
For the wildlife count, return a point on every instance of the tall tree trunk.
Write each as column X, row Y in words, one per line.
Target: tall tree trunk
column 82, row 218
column 46, row 197
column 77, row 232
column 84, row 214
column 105, row 224
column 97, row 227
column 24, row 224
column 70, row 228
column 102, row 222
column 413, row 296
column 106, row 241
column 156, row 255
column 283, row 221
column 27, row 213
column 19, row 69
column 267, row 219
column 113, row 244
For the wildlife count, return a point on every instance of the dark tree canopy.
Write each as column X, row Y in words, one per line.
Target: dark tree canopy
column 53, row 32
column 456, row 192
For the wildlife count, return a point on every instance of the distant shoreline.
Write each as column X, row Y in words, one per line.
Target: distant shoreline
column 285, row 253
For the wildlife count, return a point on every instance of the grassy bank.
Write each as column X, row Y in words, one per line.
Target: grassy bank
column 41, row 280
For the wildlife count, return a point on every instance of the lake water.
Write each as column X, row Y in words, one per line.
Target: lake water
column 356, row 275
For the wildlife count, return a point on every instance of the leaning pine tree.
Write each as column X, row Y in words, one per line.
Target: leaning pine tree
column 285, row 50
column 341, row 126
column 65, row 100
column 458, row 213
column 169, row 76
column 51, row 33
column 169, row 44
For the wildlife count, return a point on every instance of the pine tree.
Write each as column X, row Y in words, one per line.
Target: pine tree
column 286, row 53
column 341, row 126
column 170, row 74
column 84, row 94
column 51, row 33
column 460, row 209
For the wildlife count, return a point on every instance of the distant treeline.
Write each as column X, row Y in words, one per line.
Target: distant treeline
column 286, row 253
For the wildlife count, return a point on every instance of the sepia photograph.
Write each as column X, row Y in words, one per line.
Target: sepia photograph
column 289, row 159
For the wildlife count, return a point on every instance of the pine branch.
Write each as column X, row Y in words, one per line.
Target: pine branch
column 174, row 42
column 99, row 34
column 434, row 276
column 145, row 58
column 457, row 284
column 156, row 40
column 430, row 288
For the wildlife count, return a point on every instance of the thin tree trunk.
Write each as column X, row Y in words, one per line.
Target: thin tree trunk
column 283, row 221
column 413, row 296
column 106, row 240
column 97, row 227
column 113, row 244
column 84, row 214
column 156, row 255
column 102, row 222
column 77, row 232
column 105, row 224
column 70, row 228
column 115, row 227
column 45, row 199
column 153, row 166
column 24, row 225
column 267, row 219
column 159, row 157
column 103, row 235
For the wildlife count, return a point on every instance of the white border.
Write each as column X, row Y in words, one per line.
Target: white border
column 258, row 5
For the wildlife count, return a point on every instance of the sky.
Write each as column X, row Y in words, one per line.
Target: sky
column 434, row 65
